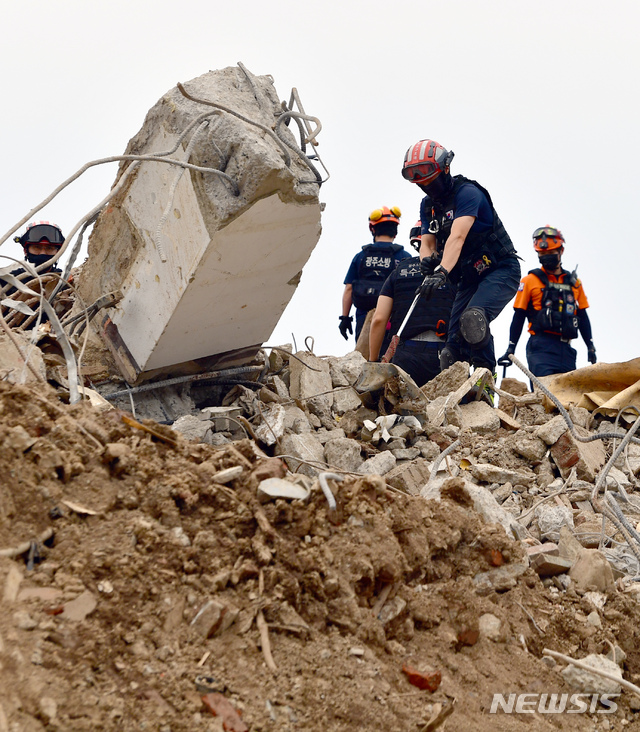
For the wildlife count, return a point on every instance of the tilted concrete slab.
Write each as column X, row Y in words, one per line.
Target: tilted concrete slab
column 204, row 271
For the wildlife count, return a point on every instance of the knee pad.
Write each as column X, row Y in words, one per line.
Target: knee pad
column 447, row 358
column 474, row 327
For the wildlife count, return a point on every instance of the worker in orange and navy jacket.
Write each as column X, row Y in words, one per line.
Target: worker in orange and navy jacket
column 554, row 302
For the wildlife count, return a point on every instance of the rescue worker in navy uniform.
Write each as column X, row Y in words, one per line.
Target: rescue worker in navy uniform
column 460, row 223
column 423, row 336
column 370, row 268
column 553, row 301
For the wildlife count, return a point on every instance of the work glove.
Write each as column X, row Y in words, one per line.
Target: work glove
column 505, row 360
column 591, row 353
column 428, row 264
column 345, row 326
column 433, row 282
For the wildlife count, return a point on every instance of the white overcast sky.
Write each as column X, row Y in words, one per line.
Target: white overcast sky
column 538, row 100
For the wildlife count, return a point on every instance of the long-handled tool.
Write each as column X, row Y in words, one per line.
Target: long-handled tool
column 396, row 338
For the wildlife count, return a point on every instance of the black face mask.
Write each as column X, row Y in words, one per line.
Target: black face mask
column 38, row 259
column 438, row 188
column 549, row 261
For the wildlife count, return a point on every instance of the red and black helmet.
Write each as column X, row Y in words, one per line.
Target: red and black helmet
column 424, row 161
column 380, row 215
column 415, row 236
column 547, row 238
column 38, row 231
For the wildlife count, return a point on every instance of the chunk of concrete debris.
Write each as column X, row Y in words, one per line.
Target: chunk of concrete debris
column 410, row 477
column 499, row 579
column 548, row 565
column 192, row 428
column 528, row 445
column 551, row 431
column 298, row 448
column 12, row 363
column 590, row 683
column 344, row 454
column 586, row 457
column 78, row 609
column 552, row 518
column 345, row 370
column 490, row 627
column 493, row 474
column 592, row 571
column 169, row 239
column 479, row 417
column 272, row 426
column 379, row 464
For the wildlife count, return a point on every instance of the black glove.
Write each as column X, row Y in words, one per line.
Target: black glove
column 591, row 354
column 505, row 360
column 433, row 282
column 428, row 264
column 345, row 326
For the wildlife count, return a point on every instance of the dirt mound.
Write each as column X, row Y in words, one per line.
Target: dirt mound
column 167, row 581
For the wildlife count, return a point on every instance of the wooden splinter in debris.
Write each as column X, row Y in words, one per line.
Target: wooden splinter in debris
column 263, row 629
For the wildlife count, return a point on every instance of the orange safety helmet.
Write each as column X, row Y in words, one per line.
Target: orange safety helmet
column 378, row 215
column 424, row 161
column 547, row 238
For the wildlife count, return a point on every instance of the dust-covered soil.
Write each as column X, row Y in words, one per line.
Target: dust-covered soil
column 142, row 587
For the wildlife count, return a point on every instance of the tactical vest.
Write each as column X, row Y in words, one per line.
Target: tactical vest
column 558, row 312
column 433, row 314
column 481, row 252
column 375, row 266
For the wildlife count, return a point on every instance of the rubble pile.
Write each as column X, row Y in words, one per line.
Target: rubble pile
column 292, row 554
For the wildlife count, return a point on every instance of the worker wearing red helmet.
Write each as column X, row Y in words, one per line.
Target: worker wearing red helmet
column 554, row 302
column 370, row 268
column 460, row 222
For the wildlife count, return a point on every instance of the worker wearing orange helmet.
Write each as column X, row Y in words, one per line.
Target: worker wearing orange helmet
column 460, row 223
column 554, row 302
column 370, row 268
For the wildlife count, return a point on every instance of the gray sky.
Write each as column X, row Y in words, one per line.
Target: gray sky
column 537, row 100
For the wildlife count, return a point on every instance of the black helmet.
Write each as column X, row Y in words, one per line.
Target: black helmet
column 39, row 230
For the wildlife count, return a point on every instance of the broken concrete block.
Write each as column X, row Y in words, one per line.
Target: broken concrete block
column 379, row 464
column 410, row 477
column 587, row 457
column 547, row 548
column 529, row 446
column 324, row 435
column 296, row 420
column 479, row 417
column 209, row 618
column 428, row 448
column 552, row 518
column 170, row 239
column 79, row 608
column 345, row 370
column 507, row 421
column 406, row 453
column 568, row 545
column 490, row 510
column 547, row 565
column 272, row 426
column 192, row 428
column 447, row 381
column 343, row 454
column 13, row 363
column 345, row 399
column 592, row 571
column 305, row 447
column 493, row 474
column 310, row 382
column 589, row 683
column 551, row 431
column 499, row 579
column 490, row 627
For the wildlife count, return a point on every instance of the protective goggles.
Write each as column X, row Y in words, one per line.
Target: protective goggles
column 378, row 213
column 547, row 232
column 42, row 231
column 421, row 173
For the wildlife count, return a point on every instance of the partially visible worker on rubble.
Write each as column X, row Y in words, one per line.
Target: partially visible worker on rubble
column 554, row 302
column 460, row 223
column 370, row 268
column 423, row 335
column 40, row 242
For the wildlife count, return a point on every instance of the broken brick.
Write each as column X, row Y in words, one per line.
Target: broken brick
column 426, row 681
column 218, row 705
